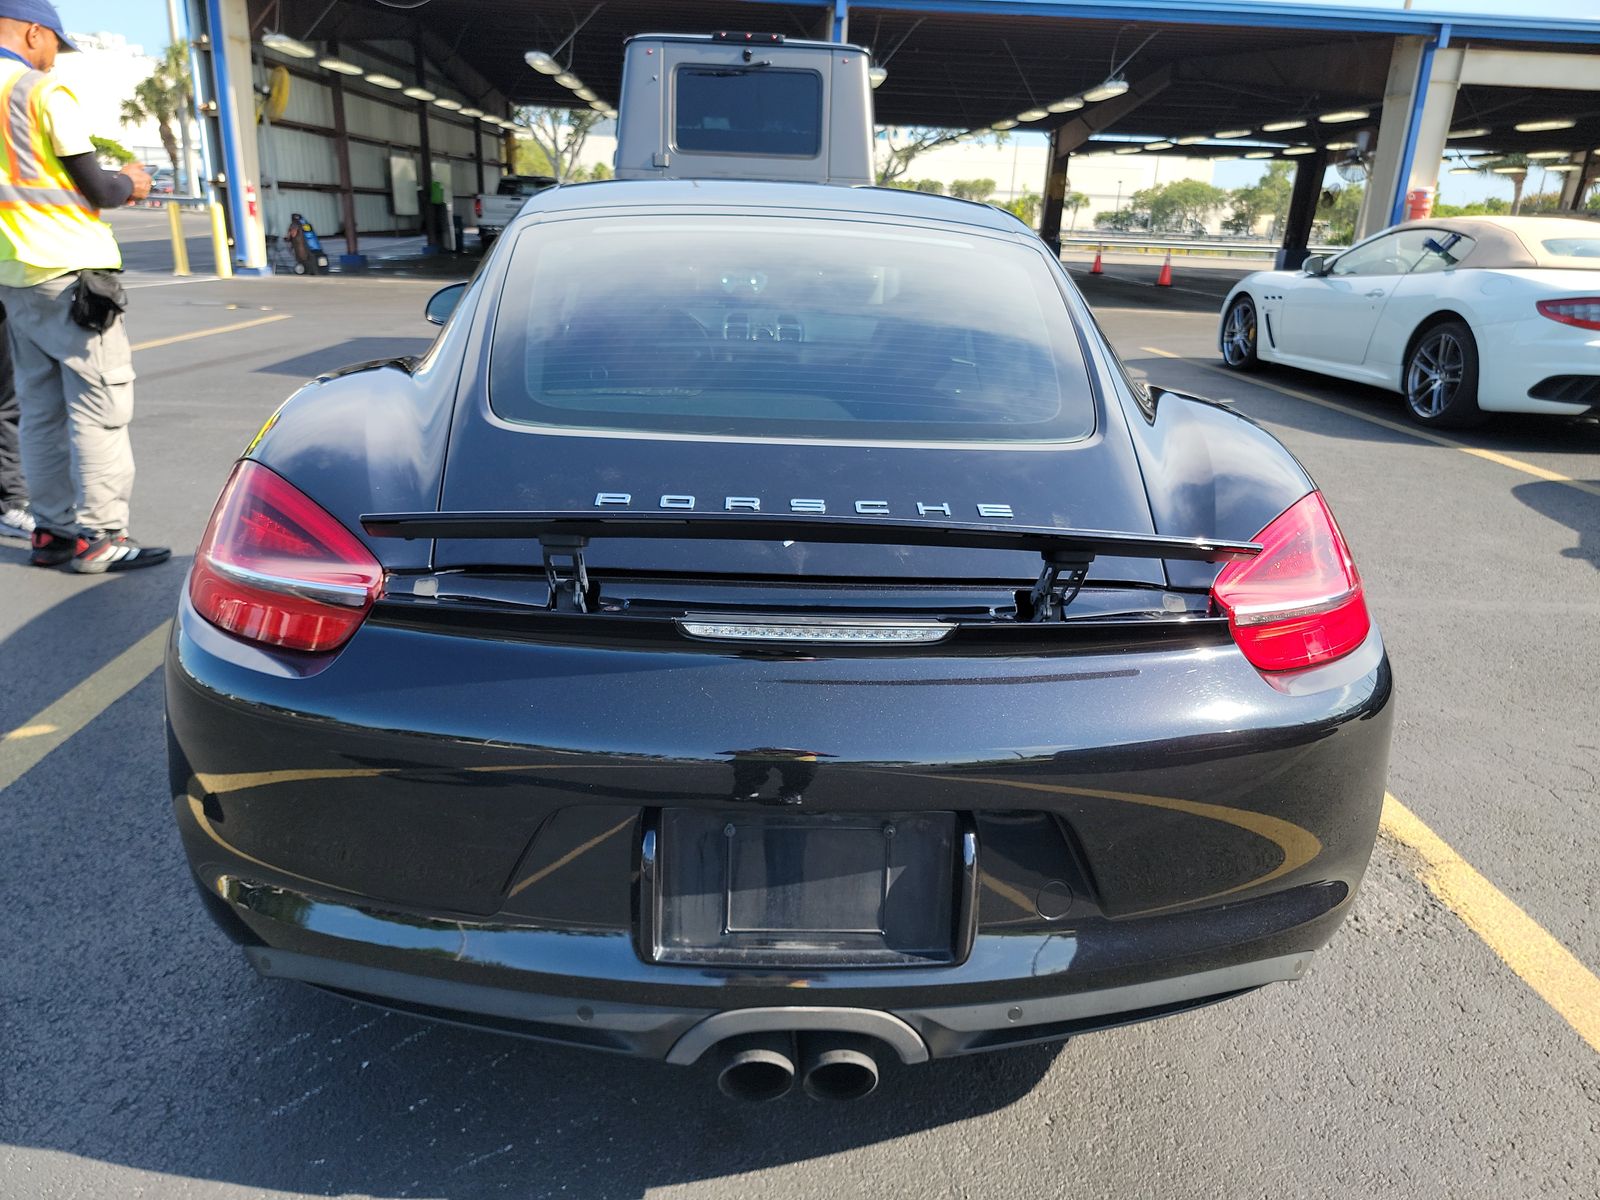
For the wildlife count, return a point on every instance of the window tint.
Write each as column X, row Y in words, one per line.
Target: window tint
column 1573, row 247
column 748, row 110
column 785, row 327
column 1434, row 249
column 1381, row 256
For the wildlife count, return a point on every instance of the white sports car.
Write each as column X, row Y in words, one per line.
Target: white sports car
column 1463, row 316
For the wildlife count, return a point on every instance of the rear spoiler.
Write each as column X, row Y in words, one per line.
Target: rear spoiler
column 564, row 535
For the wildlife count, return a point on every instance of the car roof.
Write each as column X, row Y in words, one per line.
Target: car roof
column 1516, row 241
column 725, row 193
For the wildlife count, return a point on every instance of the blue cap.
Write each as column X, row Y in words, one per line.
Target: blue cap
column 37, row 12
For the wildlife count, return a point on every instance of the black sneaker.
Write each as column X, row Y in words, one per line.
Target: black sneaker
column 115, row 552
column 52, row 549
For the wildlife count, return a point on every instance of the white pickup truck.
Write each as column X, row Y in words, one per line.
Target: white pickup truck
column 495, row 210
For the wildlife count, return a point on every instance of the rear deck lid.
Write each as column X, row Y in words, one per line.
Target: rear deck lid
column 731, row 361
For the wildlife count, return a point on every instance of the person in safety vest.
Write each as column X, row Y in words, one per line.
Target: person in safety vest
column 58, row 259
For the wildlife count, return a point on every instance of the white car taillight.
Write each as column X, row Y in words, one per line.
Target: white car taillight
column 1582, row 311
column 276, row 568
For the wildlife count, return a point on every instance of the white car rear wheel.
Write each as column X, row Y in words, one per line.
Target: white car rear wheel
column 1441, row 378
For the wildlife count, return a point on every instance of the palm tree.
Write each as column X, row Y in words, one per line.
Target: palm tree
column 163, row 97
column 1514, row 167
column 1072, row 202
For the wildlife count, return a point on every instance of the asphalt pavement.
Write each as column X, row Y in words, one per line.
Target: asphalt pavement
column 140, row 1056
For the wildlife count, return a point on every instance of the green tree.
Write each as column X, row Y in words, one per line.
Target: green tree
column 1179, row 204
column 115, row 151
column 1267, row 197
column 1025, row 208
column 1508, row 166
column 1122, row 219
column 1339, row 209
column 972, row 189
column 163, row 97
column 559, row 135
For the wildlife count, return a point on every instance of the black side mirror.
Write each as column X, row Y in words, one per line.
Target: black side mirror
column 1317, row 264
column 443, row 302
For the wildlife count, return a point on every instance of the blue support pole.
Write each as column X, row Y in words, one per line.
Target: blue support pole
column 841, row 20
column 228, row 131
column 1419, row 101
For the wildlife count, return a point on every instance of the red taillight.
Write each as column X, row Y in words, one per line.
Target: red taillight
column 1582, row 311
column 477, row 206
column 276, row 568
column 1299, row 602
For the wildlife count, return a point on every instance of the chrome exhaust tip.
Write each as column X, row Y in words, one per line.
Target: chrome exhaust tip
column 756, row 1067
column 838, row 1066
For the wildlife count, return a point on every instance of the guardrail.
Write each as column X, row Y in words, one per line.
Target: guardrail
column 1178, row 245
column 180, row 247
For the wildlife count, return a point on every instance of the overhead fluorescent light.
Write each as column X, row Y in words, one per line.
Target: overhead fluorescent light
column 284, row 44
column 1107, row 90
column 876, row 76
column 1341, row 145
column 1002, row 126
column 448, row 104
column 1299, row 149
column 1231, row 133
column 585, row 94
column 472, row 112
column 1477, row 131
column 1158, row 145
column 1127, row 150
column 542, row 62
column 419, row 93
column 1193, row 140
column 338, row 66
column 1537, row 155
column 1544, row 126
column 1463, row 171
column 599, row 105
column 1282, row 126
column 1259, row 154
column 1509, row 170
column 568, row 80
column 379, row 79
column 1033, row 114
column 1344, row 116
column 1070, row 104
column 1561, row 166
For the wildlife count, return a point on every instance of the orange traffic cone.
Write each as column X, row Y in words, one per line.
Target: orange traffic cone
column 1165, row 278
column 1097, row 269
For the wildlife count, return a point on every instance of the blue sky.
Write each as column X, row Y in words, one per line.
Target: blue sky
column 143, row 21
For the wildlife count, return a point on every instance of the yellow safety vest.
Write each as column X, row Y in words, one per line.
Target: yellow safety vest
column 46, row 223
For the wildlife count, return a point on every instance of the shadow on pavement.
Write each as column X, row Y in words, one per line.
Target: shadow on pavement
column 1571, row 508
column 346, row 353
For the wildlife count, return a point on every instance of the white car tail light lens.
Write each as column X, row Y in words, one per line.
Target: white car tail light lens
column 276, row 568
column 1582, row 311
column 1298, row 603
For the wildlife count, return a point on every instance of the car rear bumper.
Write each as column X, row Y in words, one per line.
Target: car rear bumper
column 456, row 977
column 1516, row 358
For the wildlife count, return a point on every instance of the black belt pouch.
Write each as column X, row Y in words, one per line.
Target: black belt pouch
column 98, row 300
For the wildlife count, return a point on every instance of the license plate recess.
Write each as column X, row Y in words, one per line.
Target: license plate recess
column 805, row 889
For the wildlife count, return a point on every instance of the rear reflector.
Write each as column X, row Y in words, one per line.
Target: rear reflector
column 1582, row 311
column 276, row 568
column 1299, row 602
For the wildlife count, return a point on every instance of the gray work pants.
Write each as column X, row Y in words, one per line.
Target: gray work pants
column 75, row 391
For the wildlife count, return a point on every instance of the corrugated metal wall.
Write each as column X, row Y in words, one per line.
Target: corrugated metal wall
column 299, row 151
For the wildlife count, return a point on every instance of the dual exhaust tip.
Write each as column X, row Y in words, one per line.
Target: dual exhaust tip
column 829, row 1066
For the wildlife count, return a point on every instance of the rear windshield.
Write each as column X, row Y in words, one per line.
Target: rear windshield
column 1572, row 247
column 783, row 327
column 743, row 110
column 524, row 185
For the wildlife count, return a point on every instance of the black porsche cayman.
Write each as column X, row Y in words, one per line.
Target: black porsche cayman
column 768, row 622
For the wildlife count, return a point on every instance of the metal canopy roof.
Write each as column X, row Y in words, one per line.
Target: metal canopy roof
column 954, row 67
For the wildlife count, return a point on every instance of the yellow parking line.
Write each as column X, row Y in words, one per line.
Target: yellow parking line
column 205, row 333
column 1524, row 945
column 23, row 748
column 1504, row 460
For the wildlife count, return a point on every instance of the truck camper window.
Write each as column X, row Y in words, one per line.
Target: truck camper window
column 748, row 110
